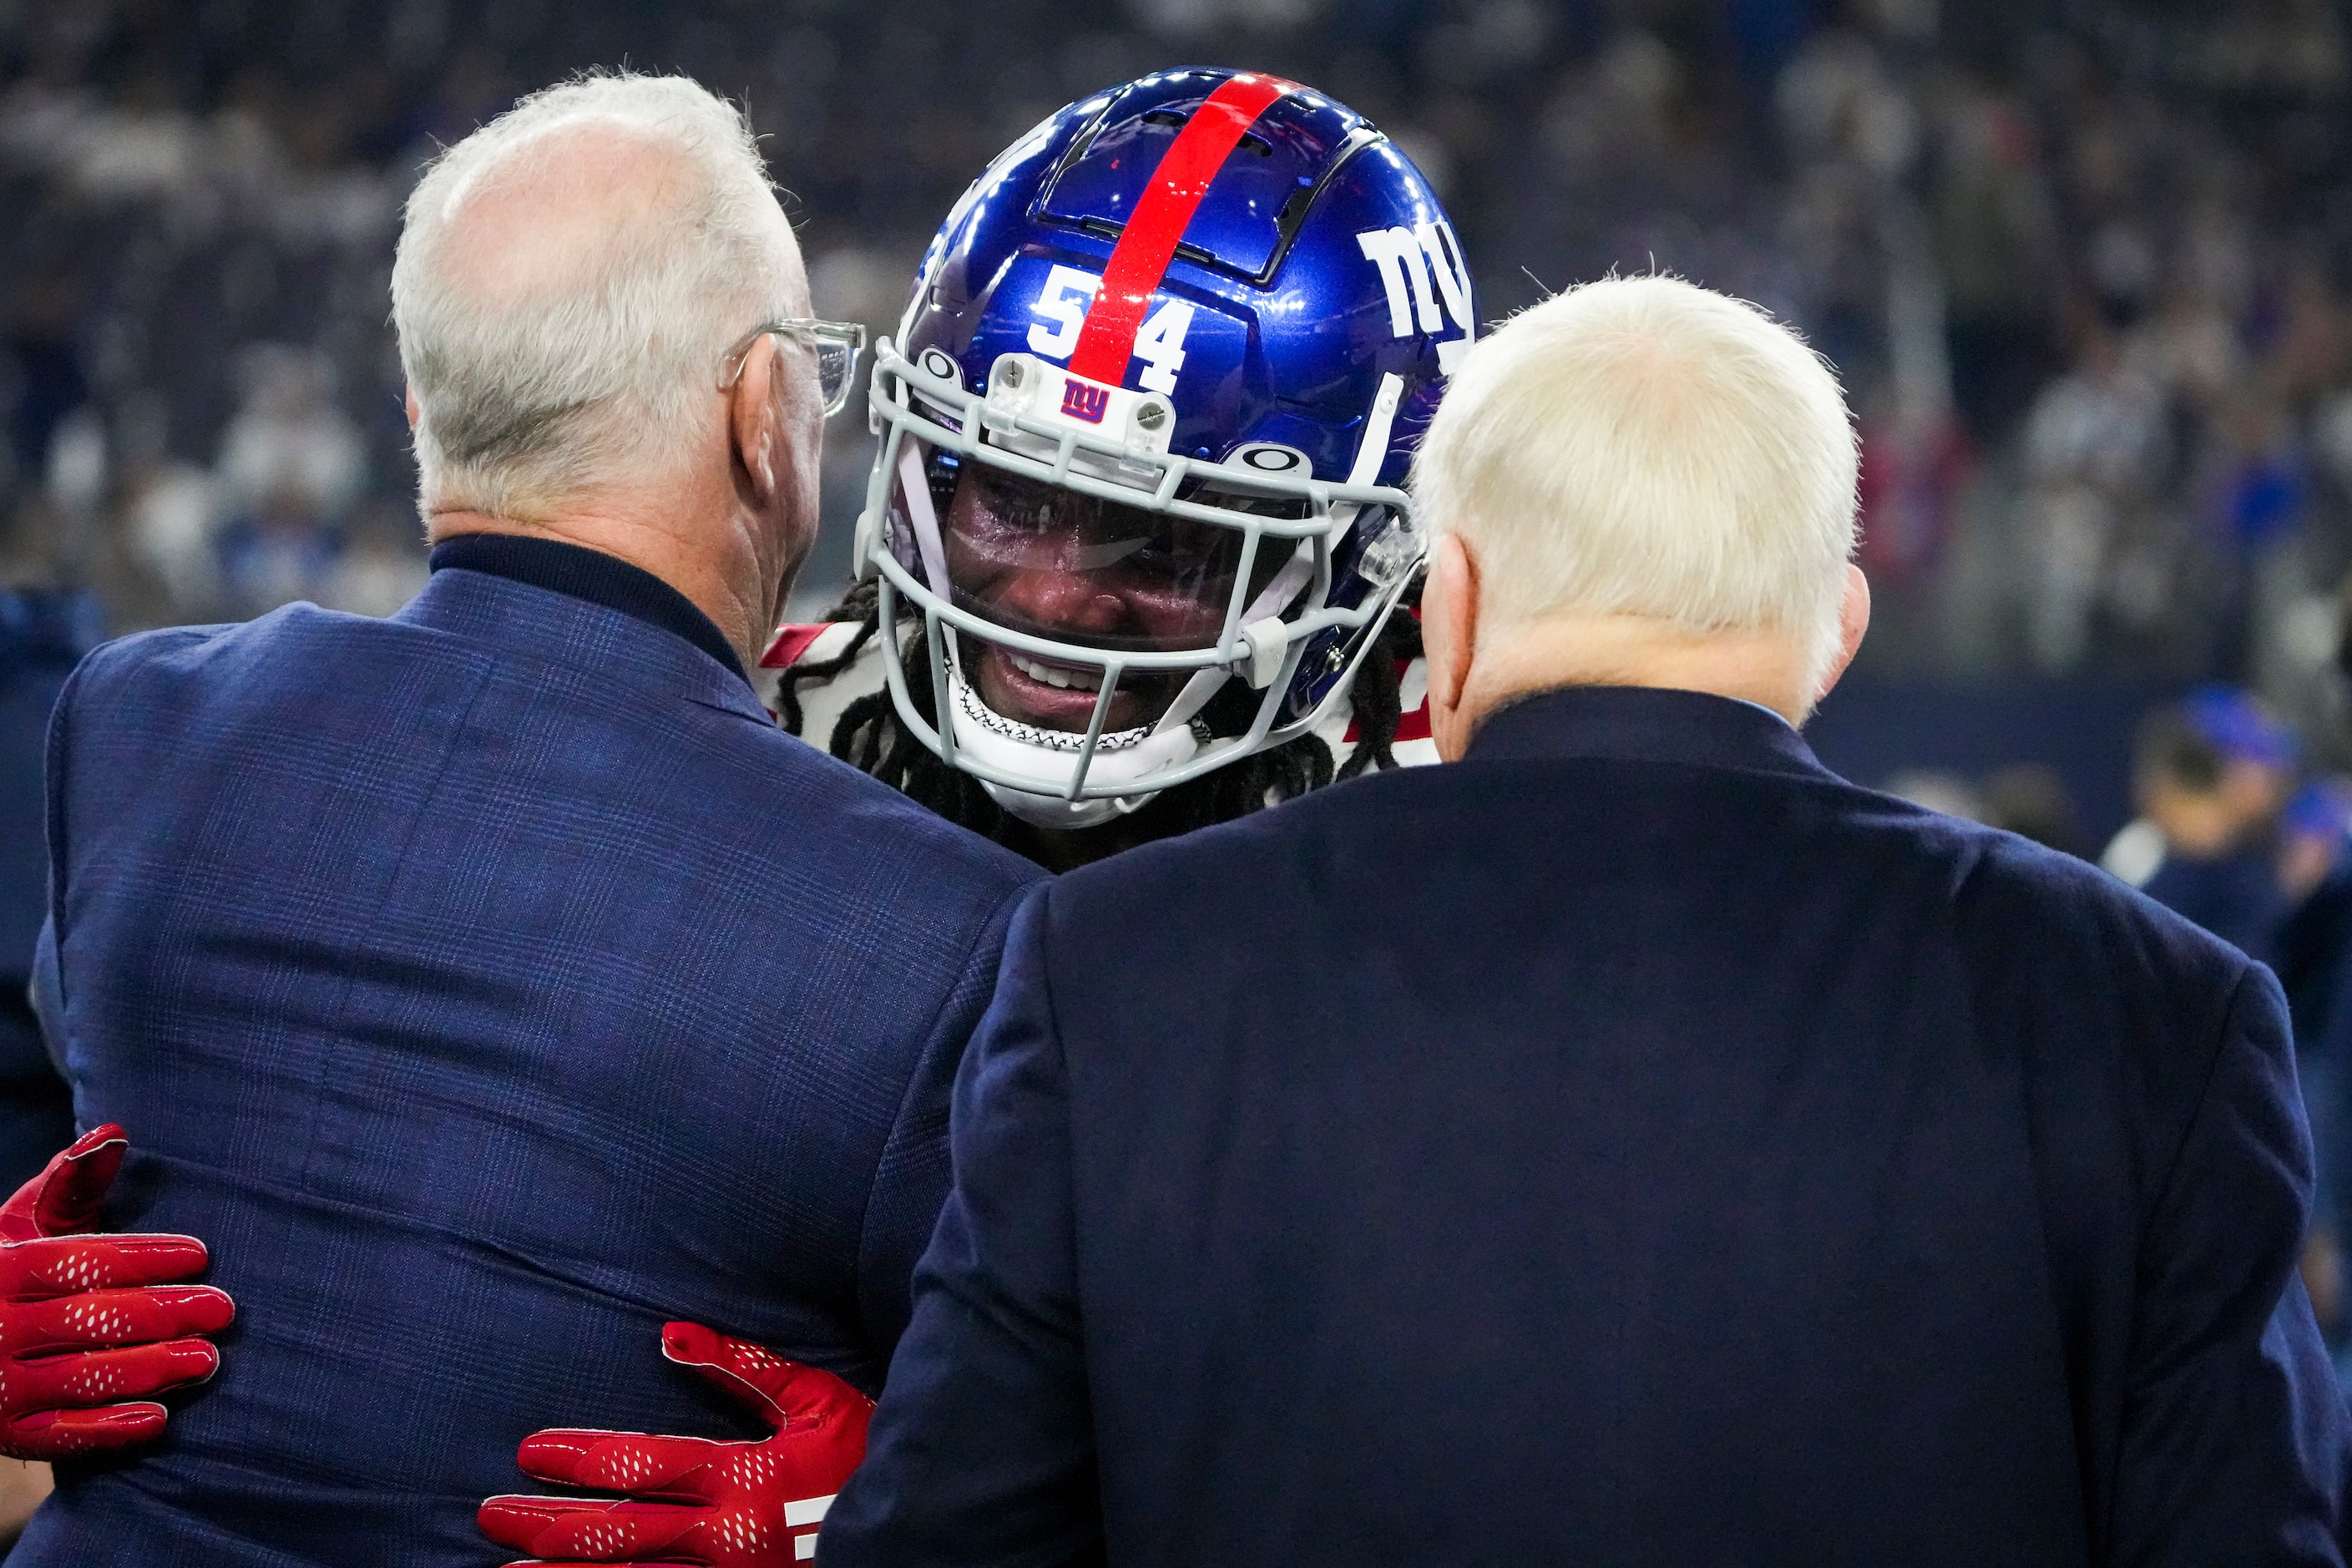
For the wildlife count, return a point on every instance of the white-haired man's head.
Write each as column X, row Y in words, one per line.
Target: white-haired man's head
column 569, row 279
column 1639, row 478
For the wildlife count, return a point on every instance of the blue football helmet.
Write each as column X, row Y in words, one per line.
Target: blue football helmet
column 1144, row 429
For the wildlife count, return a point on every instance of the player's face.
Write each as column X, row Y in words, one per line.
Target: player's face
column 1035, row 558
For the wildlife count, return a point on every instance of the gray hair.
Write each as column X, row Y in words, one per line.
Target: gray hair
column 1643, row 446
column 598, row 370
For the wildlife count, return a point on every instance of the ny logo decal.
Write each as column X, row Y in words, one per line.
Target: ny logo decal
column 1409, row 260
column 1081, row 400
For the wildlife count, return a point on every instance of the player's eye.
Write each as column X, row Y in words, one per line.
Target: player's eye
column 1158, row 552
column 1181, row 547
column 1009, row 505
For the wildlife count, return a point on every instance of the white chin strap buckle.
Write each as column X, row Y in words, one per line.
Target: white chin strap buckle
column 1050, row 758
column 1054, row 814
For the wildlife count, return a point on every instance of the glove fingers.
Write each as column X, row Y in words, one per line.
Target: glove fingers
column 101, row 1377
column 103, row 1318
column 621, row 1461
column 62, row 1434
column 585, row 1530
column 785, row 1391
column 65, row 1197
column 515, row 1521
column 70, row 1265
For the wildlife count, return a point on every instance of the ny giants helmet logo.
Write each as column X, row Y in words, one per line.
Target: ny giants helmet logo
column 1409, row 260
column 1081, row 400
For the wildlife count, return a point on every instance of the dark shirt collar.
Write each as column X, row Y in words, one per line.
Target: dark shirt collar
column 590, row 575
column 1644, row 723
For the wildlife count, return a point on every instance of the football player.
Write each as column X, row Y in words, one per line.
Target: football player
column 1135, row 522
column 1133, row 547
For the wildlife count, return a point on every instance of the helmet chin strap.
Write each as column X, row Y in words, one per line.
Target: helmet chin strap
column 1055, row 814
column 999, row 742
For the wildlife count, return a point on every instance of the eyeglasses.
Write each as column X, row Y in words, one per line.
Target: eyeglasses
column 837, row 346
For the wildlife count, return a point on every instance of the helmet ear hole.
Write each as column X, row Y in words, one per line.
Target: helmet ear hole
column 937, row 363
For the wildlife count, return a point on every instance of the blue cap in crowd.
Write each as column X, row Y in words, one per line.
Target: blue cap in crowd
column 2240, row 725
column 2320, row 809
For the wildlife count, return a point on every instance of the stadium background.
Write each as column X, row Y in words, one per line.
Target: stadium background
column 2083, row 267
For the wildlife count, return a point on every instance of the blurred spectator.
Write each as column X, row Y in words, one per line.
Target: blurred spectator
column 42, row 635
column 290, row 466
column 2094, row 453
column 2314, row 941
column 2312, row 953
column 2031, row 800
column 2257, row 752
column 169, row 513
column 2313, row 831
column 46, row 383
column 2025, row 798
column 2209, row 776
column 379, row 569
column 1938, row 789
column 1994, row 234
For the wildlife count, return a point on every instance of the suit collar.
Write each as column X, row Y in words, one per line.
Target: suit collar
column 525, row 624
column 590, row 575
column 1646, row 724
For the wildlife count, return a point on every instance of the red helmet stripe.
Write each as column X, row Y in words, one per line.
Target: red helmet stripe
column 1140, row 258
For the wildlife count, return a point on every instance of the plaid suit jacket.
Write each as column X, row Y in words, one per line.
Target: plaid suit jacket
column 486, row 985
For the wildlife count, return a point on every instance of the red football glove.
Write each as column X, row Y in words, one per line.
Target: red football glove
column 715, row 1505
column 85, row 1319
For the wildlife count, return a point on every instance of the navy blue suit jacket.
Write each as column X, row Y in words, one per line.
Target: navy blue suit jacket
column 486, row 985
column 1630, row 1146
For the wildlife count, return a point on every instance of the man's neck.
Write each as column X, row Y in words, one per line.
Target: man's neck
column 1766, row 669
column 661, row 549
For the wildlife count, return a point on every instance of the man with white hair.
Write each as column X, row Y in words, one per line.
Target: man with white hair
column 1628, row 1143
column 491, row 984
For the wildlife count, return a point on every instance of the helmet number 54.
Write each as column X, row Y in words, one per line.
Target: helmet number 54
column 1063, row 302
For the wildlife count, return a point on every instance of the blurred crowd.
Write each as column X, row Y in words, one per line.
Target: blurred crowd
column 2083, row 270
column 2082, row 265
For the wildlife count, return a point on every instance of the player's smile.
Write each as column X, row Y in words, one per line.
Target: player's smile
column 1056, row 695
column 1058, row 675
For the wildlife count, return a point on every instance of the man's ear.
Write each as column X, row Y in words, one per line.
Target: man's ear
column 1449, row 639
column 1854, row 621
column 752, row 419
column 408, row 401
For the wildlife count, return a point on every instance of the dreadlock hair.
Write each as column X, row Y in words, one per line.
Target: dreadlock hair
column 871, row 737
